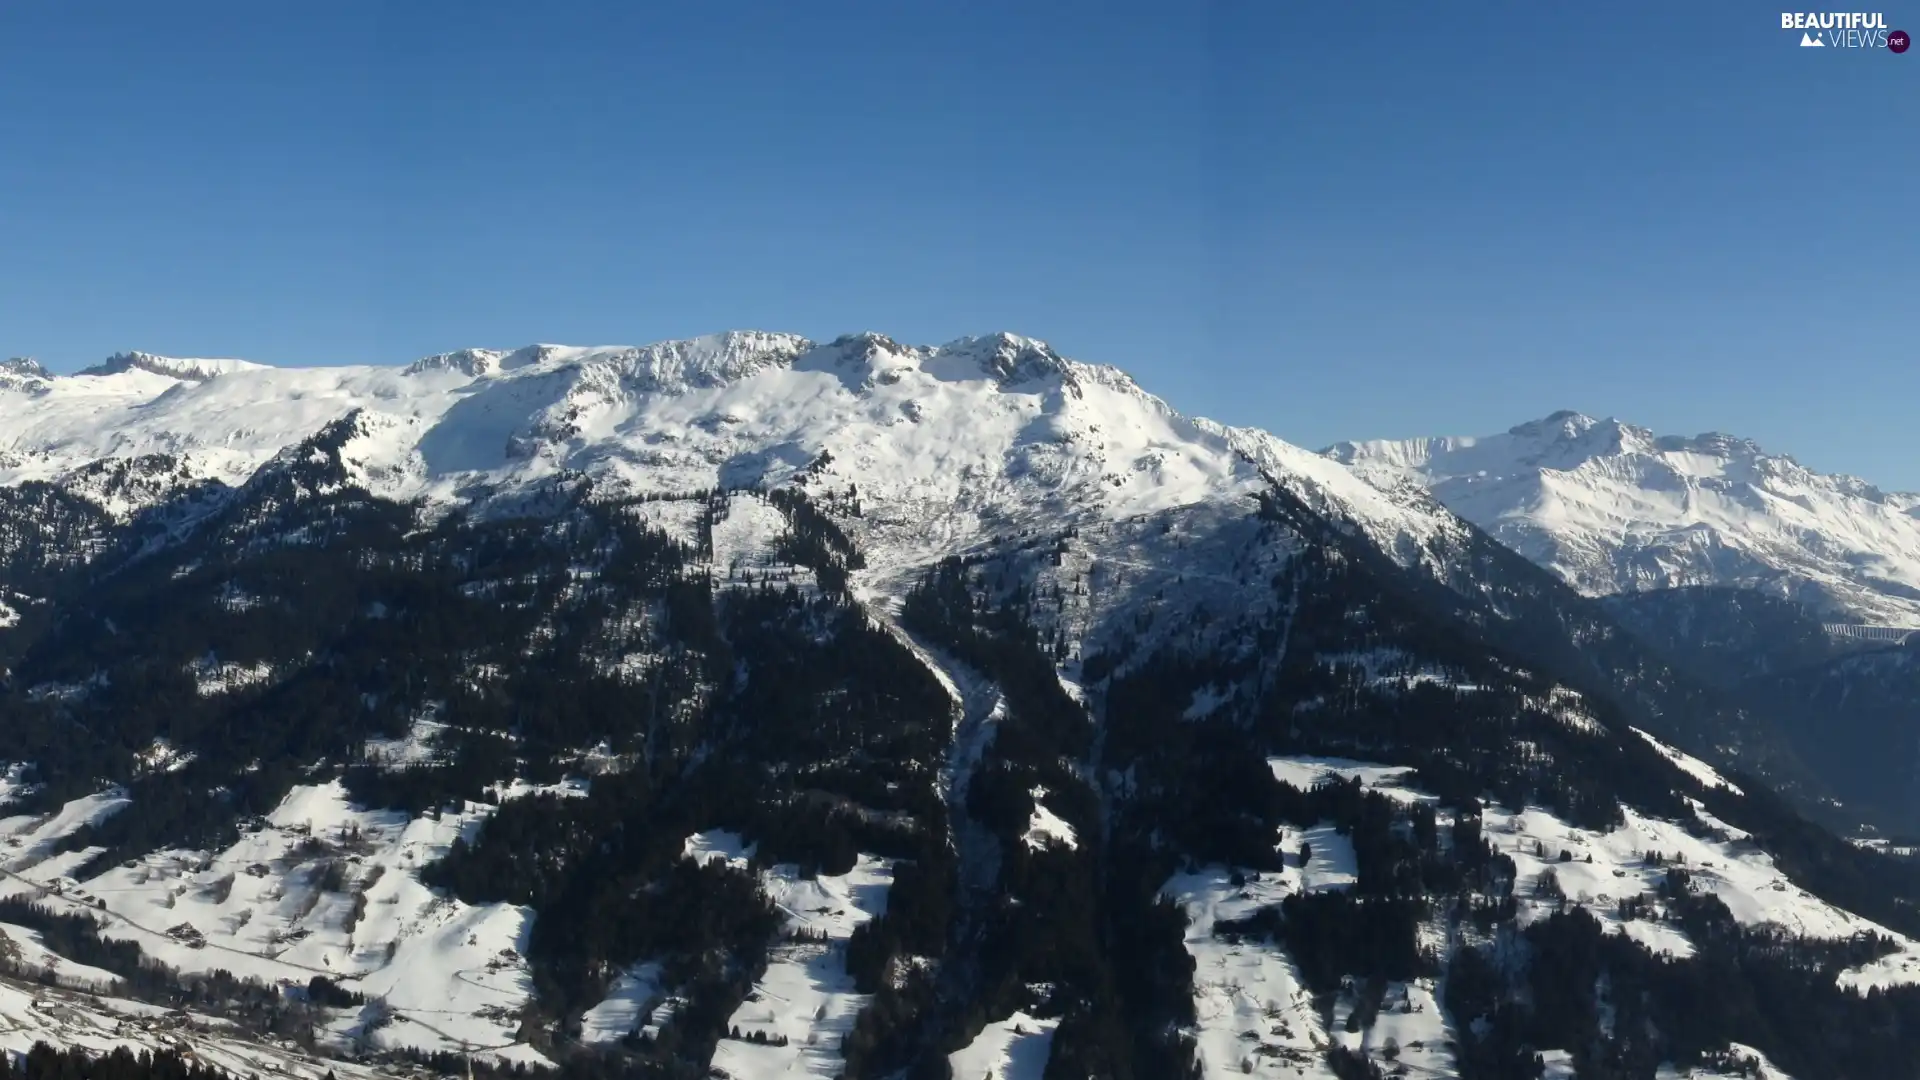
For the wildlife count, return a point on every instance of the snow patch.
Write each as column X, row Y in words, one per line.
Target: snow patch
column 719, row 845
column 800, row 1010
column 160, row 756
column 635, row 1004
column 1754, row 1058
column 419, row 746
column 572, row 787
column 1047, row 828
column 211, row 676
column 1206, row 701
column 1243, row 987
column 24, row 952
column 1016, row 1048
column 1305, row 772
column 1689, row 764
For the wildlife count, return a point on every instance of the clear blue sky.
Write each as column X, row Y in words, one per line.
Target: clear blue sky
column 1332, row 220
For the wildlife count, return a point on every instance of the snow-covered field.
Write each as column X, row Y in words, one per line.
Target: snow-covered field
column 319, row 888
column 26, row 841
column 419, row 746
column 1741, row 875
column 27, row 954
column 99, row 1023
column 1244, row 988
column 1411, row 1031
column 1012, row 1049
column 719, row 845
column 635, row 1003
column 1304, row 772
column 14, row 784
column 744, row 537
column 797, row 1013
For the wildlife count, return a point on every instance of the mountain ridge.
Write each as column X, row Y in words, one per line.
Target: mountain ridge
column 863, row 709
column 952, row 449
column 526, row 415
column 1612, row 507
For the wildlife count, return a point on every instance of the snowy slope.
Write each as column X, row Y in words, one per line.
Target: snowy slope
column 1612, row 507
column 1599, row 869
column 1254, row 1013
column 1012, row 1049
column 804, row 1004
column 318, row 888
column 1242, row 987
column 31, row 1013
column 948, row 446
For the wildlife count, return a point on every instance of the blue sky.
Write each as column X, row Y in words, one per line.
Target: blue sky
column 1331, row 220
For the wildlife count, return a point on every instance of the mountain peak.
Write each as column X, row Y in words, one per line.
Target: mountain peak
column 1561, row 419
column 24, row 375
column 1582, row 436
column 1009, row 358
column 185, row 369
column 705, row 361
column 1719, row 445
column 1613, row 507
column 1566, row 423
column 473, row 362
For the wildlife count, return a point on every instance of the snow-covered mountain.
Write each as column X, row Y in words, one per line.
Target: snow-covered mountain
column 759, row 707
column 979, row 437
column 1613, row 508
column 959, row 449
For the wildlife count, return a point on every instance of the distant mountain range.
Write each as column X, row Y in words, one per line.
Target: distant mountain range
column 1613, row 508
